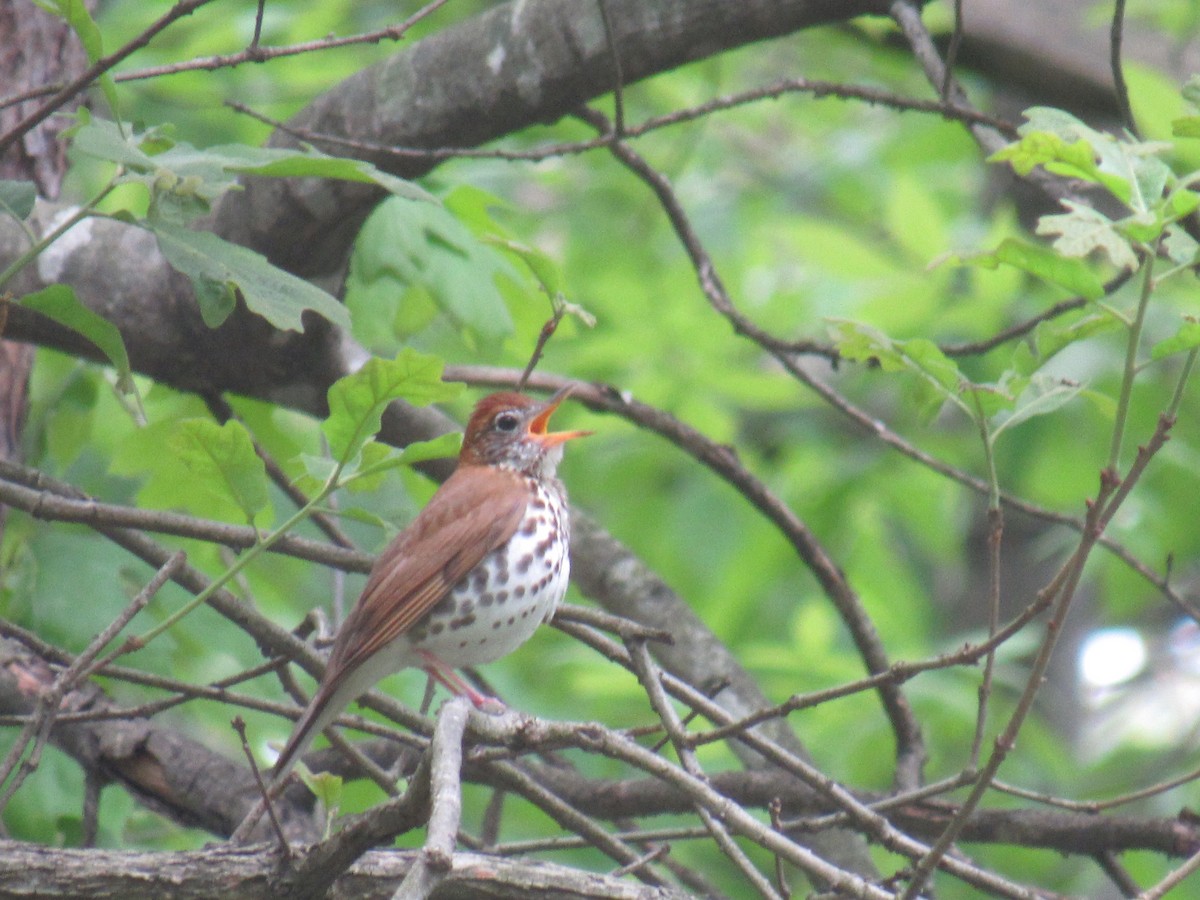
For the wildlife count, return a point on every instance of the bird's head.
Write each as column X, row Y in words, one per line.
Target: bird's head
column 510, row 430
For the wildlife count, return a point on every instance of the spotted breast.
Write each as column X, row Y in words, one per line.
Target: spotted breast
column 501, row 602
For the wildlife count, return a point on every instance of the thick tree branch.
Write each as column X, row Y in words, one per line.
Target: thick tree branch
column 515, row 65
column 28, row 870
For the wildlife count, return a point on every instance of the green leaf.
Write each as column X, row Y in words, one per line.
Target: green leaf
column 1074, row 275
column 1186, row 338
column 544, row 269
column 216, row 267
column 939, row 374
column 1062, row 144
column 1191, row 90
column 311, row 163
column 357, row 402
column 80, row 19
column 184, row 180
column 59, row 302
column 1044, row 395
column 223, row 458
column 1083, row 230
column 378, row 459
column 102, row 139
column 1181, row 247
column 927, row 358
column 861, row 343
column 420, row 248
column 1073, row 159
column 1051, row 337
column 1186, row 127
column 1184, row 202
column 17, row 198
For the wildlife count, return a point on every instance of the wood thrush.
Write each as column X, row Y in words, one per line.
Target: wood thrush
column 482, row 565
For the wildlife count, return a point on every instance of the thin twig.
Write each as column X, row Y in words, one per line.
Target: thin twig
column 614, row 48
column 181, row 9
column 255, row 55
column 819, row 89
column 651, row 679
column 910, row 750
column 239, row 726
column 39, row 725
column 956, row 36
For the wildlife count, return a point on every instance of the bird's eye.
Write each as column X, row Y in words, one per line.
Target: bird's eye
column 507, row 422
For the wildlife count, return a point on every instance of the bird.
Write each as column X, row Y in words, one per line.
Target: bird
column 470, row 579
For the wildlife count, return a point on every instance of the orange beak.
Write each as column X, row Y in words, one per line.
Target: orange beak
column 537, row 427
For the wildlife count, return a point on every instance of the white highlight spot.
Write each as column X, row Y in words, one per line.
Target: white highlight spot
column 495, row 59
column 1111, row 656
column 54, row 258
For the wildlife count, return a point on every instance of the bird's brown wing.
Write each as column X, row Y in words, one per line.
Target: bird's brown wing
column 474, row 512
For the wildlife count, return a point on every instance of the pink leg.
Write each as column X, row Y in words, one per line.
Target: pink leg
column 445, row 675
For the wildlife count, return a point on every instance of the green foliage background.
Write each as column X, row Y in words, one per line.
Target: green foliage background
column 817, row 212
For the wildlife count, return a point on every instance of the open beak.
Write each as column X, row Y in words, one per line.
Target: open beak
column 539, row 423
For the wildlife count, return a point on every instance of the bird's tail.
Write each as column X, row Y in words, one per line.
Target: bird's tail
column 326, row 704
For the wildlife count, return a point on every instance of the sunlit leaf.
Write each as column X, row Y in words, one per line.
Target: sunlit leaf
column 1186, row 338
column 1043, row 395
column 1083, row 230
column 357, row 402
column 216, row 267
column 223, row 457
column 77, row 15
column 378, row 459
column 60, row 303
column 423, row 248
column 1074, row 275
column 1180, row 246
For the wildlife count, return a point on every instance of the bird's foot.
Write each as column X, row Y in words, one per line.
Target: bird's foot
column 442, row 673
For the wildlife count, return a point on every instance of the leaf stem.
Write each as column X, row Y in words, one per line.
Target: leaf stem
column 239, row 564
column 1177, row 397
column 1131, row 349
column 989, row 455
column 37, row 247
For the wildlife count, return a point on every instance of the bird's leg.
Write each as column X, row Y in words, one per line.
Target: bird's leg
column 440, row 672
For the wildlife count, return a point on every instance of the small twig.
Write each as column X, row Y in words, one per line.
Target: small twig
column 258, row 22
column 181, row 9
column 93, row 784
column 1117, row 873
column 956, row 36
column 518, row 781
column 39, row 725
column 256, row 55
column 489, row 829
column 654, row 854
column 651, row 679
column 625, row 629
column 239, row 725
column 1110, row 497
column 995, row 517
column 910, row 748
column 42, row 497
column 544, row 336
column 1190, row 867
column 614, row 48
column 858, row 814
column 775, row 810
column 817, row 88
